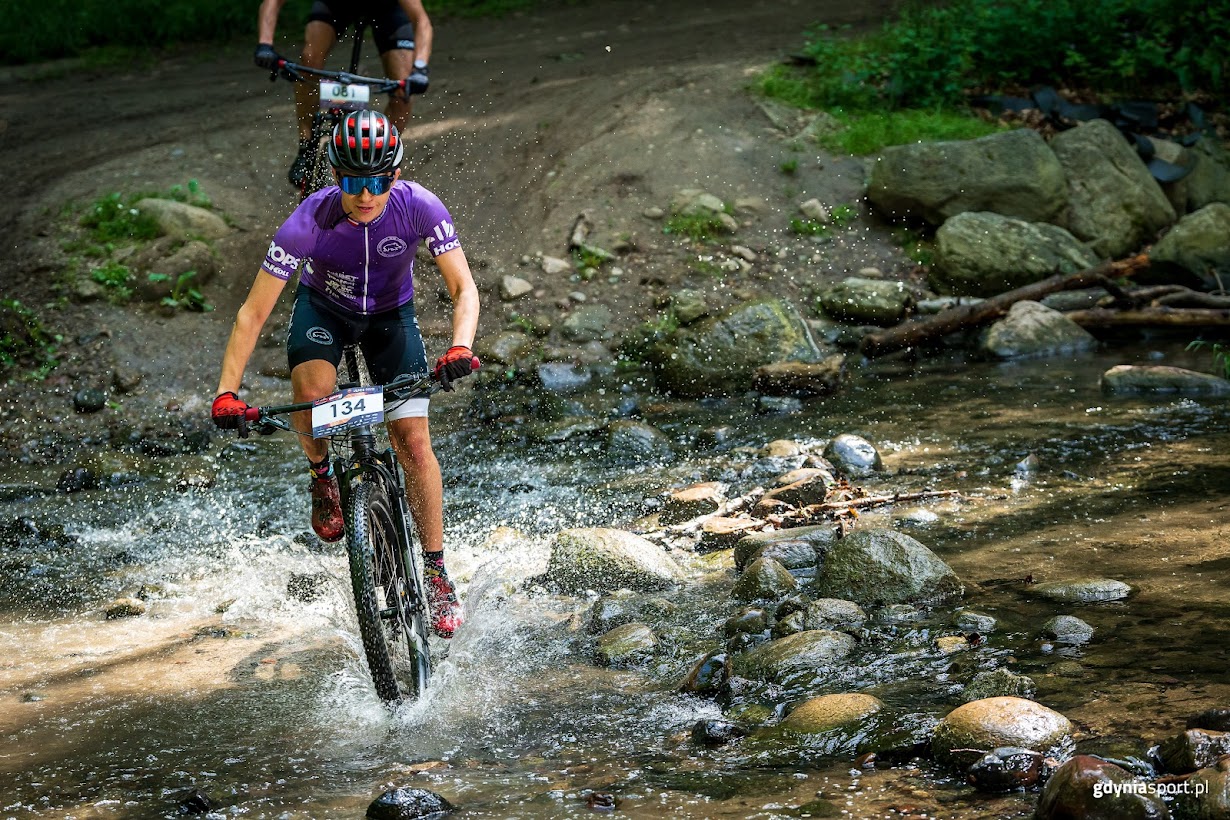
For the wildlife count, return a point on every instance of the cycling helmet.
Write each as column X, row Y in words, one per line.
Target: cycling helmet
column 365, row 143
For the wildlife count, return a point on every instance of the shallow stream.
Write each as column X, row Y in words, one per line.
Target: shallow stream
column 231, row 686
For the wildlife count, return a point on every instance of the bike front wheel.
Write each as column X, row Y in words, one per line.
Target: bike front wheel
column 388, row 598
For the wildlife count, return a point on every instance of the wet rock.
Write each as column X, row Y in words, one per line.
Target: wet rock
column 951, row 644
column 1144, row 379
column 853, row 455
column 32, row 697
column 307, row 586
column 1067, row 629
column 89, row 400
column 788, row 625
column 781, row 448
column 833, row 613
column 1216, row 719
column 636, row 441
column 1206, row 795
column 895, row 614
column 779, row 405
column 587, row 324
column 689, row 306
column 76, row 479
column 874, row 567
column 406, row 803
column 623, row 606
column 709, row 677
column 764, row 580
column 828, row 712
column 995, row 683
column 605, row 559
column 179, row 219
column 1032, row 330
column 126, row 380
column 195, row 478
column 900, row 738
column 1197, row 244
column 690, row 502
column 811, row 487
column 753, row 545
column 716, row 732
column 1084, row 591
column 626, row 645
column 193, row 801
column 813, row 651
column 749, row 619
column 1131, row 753
column 866, row 301
column 719, row 532
column 970, row 621
column 125, row 608
column 600, row 802
column 800, row 379
column 562, row 377
column 1193, row 749
column 1006, row 769
column 1083, row 788
column 798, row 557
column 999, row 721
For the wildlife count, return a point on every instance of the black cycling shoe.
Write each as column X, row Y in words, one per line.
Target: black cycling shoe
column 299, row 168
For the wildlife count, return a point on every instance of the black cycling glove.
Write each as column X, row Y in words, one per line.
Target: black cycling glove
column 416, row 83
column 266, row 57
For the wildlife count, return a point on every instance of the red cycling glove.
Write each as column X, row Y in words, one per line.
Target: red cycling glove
column 228, row 411
column 455, row 364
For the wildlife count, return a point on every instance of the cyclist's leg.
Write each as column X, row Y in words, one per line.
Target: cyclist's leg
column 394, row 34
column 318, row 40
column 411, row 441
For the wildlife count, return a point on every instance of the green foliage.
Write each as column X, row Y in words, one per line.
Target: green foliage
column 191, row 194
column 116, row 278
column 113, row 218
column 700, row 225
column 869, row 133
column 1221, row 354
column 916, row 246
column 586, row 257
column 789, row 167
column 843, row 214
column 184, row 295
column 24, row 342
column 808, row 227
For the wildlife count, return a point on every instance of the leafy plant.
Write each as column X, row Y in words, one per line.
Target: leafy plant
column 808, row 227
column 699, row 225
column 184, row 295
column 915, row 245
column 585, row 256
column 112, row 219
column 843, row 214
column 116, row 278
column 789, row 167
column 191, row 194
column 24, row 342
column 1221, row 354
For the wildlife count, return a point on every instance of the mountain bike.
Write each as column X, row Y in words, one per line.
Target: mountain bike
column 340, row 92
column 385, row 573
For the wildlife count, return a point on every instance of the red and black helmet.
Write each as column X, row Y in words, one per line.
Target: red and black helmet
column 365, row 143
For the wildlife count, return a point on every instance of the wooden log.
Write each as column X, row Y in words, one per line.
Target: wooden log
column 966, row 316
column 820, row 512
column 1160, row 316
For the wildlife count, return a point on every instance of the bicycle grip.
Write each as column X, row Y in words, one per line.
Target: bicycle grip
column 252, row 414
column 475, row 364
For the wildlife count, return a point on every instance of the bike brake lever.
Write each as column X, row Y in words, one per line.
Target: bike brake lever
column 242, row 428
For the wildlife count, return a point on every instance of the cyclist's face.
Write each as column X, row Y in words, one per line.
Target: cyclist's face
column 365, row 206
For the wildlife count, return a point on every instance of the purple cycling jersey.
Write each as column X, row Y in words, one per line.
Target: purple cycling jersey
column 361, row 268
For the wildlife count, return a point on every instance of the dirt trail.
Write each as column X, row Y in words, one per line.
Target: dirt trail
column 609, row 107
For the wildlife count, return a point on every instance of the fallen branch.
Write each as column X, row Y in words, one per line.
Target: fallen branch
column 723, row 511
column 820, row 512
column 988, row 310
column 1160, row 316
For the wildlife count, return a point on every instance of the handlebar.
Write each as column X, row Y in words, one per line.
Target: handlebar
column 295, row 73
column 264, row 420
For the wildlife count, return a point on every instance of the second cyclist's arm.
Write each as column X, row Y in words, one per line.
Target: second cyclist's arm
column 422, row 28
column 267, row 20
column 460, row 282
column 247, row 329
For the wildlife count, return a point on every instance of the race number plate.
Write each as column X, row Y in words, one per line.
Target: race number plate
column 343, row 96
column 355, row 407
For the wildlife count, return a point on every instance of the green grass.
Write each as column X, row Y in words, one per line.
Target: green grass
column 868, row 133
column 25, row 345
column 808, row 227
column 112, row 218
column 1221, row 354
column 700, row 226
column 789, row 167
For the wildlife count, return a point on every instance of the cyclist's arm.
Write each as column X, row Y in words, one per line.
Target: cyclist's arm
column 247, row 329
column 267, row 20
column 422, row 28
column 460, row 282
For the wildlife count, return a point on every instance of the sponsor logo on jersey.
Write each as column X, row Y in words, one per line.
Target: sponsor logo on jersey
column 320, row 336
column 278, row 255
column 436, row 250
column 443, row 231
column 446, row 233
column 391, row 246
column 408, row 45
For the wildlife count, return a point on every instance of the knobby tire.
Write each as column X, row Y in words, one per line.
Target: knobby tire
column 395, row 640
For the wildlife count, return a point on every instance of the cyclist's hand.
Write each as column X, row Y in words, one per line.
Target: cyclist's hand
column 416, row 83
column 228, row 411
column 266, row 57
column 457, row 363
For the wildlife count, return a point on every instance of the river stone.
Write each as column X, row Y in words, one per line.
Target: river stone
column 690, row 502
column 801, row 379
column 833, row 613
column 1129, row 378
column 853, row 455
column 1197, row 244
column 749, row 547
column 984, row 254
column 626, row 645
column 505, row 348
column 764, row 580
column 798, row 557
column 1083, row 591
column 179, row 219
column 89, row 400
column 1006, row 769
column 1114, row 202
column 998, row 683
column 623, row 606
column 874, row 567
column 1030, row 329
column 812, row 488
column 605, row 559
column 406, row 803
column 709, row 677
column 587, row 324
column 999, row 721
column 951, row 644
column 689, row 306
column 635, row 441
column 718, row 356
column 814, row 650
column 1209, row 180
column 1067, row 629
column 788, row 624
column 513, row 288
column 562, row 377
column 125, row 608
column 716, row 732
column 76, row 479
column 721, row 532
column 1207, row 796
column 1193, row 749
column 1070, row 794
column 829, row 712
column 1013, row 173
column 866, row 301
column 753, row 620
column 969, row 621
column 1217, row 719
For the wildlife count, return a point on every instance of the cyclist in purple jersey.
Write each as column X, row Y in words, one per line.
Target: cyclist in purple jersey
column 353, row 249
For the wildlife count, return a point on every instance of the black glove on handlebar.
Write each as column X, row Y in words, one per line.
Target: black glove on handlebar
column 266, row 57
column 416, row 83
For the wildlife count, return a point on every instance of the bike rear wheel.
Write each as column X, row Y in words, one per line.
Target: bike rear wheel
column 319, row 172
column 388, row 596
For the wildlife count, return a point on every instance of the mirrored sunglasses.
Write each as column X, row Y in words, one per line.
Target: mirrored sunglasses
column 377, row 185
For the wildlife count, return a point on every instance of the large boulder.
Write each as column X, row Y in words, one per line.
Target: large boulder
column 812, row 651
column 764, row 579
column 1084, row 787
column 874, row 567
column 719, row 356
column 604, row 559
column 994, row 722
column 1031, row 329
column 1012, row 173
column 1157, row 378
column 982, row 254
column 1197, row 244
column 1115, row 203
column 184, row 221
column 781, row 543
column 1209, row 180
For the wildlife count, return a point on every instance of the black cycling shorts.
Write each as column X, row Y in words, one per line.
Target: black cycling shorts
column 391, row 27
column 391, row 342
